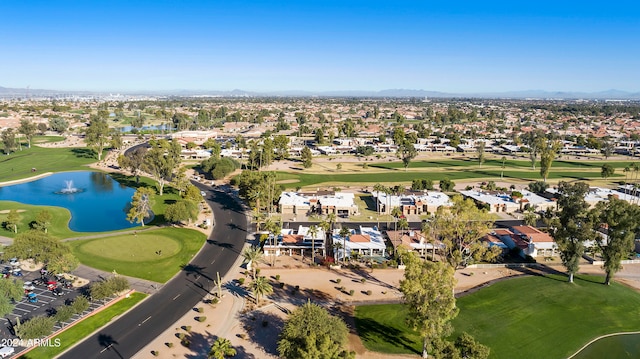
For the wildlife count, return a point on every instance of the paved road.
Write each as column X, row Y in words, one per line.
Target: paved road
column 127, row 335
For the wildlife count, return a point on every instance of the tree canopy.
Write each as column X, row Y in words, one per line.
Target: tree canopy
column 311, row 332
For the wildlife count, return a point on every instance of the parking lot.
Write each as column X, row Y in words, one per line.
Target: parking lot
column 45, row 304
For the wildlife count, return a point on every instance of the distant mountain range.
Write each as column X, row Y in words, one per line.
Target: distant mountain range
column 528, row 94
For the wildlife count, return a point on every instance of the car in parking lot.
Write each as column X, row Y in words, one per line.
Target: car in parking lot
column 32, row 297
column 57, row 291
column 38, row 282
column 28, row 286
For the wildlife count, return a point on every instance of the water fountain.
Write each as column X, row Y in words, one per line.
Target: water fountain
column 69, row 189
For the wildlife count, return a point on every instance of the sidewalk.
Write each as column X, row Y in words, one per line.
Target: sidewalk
column 93, row 275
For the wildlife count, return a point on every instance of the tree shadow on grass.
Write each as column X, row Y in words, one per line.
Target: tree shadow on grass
column 372, row 331
column 84, row 153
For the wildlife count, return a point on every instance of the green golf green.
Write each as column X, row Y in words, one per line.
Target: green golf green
column 155, row 254
column 527, row 317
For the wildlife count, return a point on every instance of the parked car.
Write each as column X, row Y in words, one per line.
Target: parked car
column 32, row 297
column 28, row 286
column 17, row 272
column 14, row 262
column 6, row 352
column 52, row 285
column 38, row 282
column 57, row 291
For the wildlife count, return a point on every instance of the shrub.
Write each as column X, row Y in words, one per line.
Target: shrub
column 185, row 342
column 278, row 277
column 202, row 319
column 351, row 292
column 169, row 344
column 215, row 301
column 187, row 328
column 362, row 280
column 200, row 310
column 241, row 281
column 80, row 304
column 155, row 353
column 368, row 292
column 338, row 280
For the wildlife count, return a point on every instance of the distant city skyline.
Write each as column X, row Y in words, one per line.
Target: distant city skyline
column 267, row 46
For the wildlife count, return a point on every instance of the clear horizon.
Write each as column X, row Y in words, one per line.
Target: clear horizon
column 269, row 46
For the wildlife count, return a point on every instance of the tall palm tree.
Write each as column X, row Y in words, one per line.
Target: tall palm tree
column 221, row 349
column 396, row 213
column 344, row 233
column 331, row 219
column 378, row 188
column 252, row 255
column 626, row 171
column 260, row 287
column 504, row 159
column 313, row 232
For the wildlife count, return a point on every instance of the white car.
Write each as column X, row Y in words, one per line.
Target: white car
column 14, row 262
column 6, row 351
column 203, row 193
column 28, row 286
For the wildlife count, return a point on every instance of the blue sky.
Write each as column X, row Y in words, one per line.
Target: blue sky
column 462, row 46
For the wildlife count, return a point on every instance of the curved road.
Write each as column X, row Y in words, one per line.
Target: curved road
column 130, row 333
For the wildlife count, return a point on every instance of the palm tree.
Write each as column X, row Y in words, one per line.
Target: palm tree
column 344, row 233
column 626, row 171
column 260, row 286
column 313, row 232
column 252, row 256
column 221, row 349
column 396, row 213
column 504, row 159
column 331, row 219
column 378, row 188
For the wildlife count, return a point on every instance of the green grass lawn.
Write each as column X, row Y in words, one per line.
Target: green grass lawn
column 19, row 164
column 59, row 224
column 398, row 176
column 155, row 255
column 79, row 331
column 528, row 317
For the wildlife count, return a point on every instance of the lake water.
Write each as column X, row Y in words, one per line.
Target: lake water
column 97, row 205
column 615, row 347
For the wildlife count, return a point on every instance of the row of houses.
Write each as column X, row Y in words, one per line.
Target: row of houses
column 342, row 204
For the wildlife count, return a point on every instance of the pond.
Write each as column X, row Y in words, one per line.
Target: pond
column 96, row 201
column 614, row 347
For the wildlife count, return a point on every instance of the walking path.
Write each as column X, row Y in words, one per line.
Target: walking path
column 140, row 285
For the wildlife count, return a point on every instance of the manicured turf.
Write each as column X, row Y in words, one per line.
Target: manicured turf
column 395, row 176
column 76, row 333
column 59, row 224
column 529, row 317
column 20, row 164
column 155, row 255
column 619, row 346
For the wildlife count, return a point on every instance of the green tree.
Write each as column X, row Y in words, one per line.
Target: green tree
column 10, row 292
column 461, row 229
column 43, row 220
column 547, row 155
column 538, row 186
column 428, row 291
column 313, row 232
column 260, row 287
column 307, row 157
column 36, row 327
column 9, row 140
column 80, row 304
column 58, row 124
column 141, row 205
column 480, row 151
column 406, row 152
column 97, row 135
column 133, row 161
column 447, row 185
column 13, row 218
column 344, row 234
column 311, row 332
column 28, row 129
column 221, row 349
column 252, row 256
column 161, row 161
column 43, row 248
column 535, row 142
column 573, row 226
column 181, row 211
column 63, row 314
column 470, row 348
column 281, row 146
column 607, row 170
column 622, row 220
